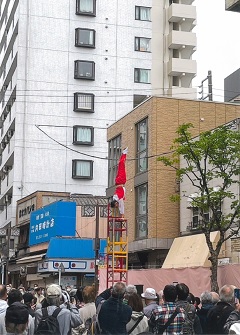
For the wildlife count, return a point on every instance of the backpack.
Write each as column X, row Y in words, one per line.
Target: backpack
column 48, row 324
column 188, row 326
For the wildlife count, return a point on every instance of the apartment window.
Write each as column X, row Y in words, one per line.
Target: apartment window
column 85, row 38
column 84, row 70
column 83, row 102
column 86, row 7
column 197, row 219
column 82, row 169
column 114, row 153
column 142, row 13
column 141, row 211
column 142, row 76
column 142, row 145
column 83, row 135
column 142, row 44
column 137, row 99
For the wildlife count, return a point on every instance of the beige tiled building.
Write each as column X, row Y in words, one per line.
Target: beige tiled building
column 149, row 131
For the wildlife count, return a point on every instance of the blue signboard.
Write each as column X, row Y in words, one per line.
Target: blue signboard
column 56, row 219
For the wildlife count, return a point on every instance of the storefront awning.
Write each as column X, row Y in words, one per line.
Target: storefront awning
column 189, row 251
column 30, row 259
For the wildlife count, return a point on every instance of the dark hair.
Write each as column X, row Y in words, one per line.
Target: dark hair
column 27, row 297
column 182, row 291
column 170, row 293
column 197, row 300
column 191, row 298
column 14, row 295
column 3, row 291
column 113, row 203
column 79, row 294
column 135, row 302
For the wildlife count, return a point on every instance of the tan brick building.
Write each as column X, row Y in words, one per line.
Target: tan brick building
column 148, row 131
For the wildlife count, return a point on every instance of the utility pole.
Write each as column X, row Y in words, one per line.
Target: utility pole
column 96, row 247
column 210, row 94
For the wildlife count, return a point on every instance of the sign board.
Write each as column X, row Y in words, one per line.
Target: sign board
column 223, row 261
column 82, row 266
column 25, row 209
column 235, row 244
column 56, row 219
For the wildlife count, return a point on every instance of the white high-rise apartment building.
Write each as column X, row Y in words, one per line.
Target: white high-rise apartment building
column 69, row 69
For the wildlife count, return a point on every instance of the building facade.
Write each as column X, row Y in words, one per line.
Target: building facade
column 149, row 131
column 68, row 70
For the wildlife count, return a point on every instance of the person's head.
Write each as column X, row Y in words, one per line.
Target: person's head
column 206, row 298
column 135, row 302
column 28, row 298
column 170, row 293
column 79, row 294
column 14, row 296
column 8, row 287
column 226, row 293
column 182, row 291
column 38, row 290
column 16, row 318
column 197, row 301
column 130, row 289
column 191, row 298
column 54, row 295
column 21, row 289
column 149, row 295
column 114, row 204
column 215, row 297
column 3, row 292
column 89, row 294
column 118, row 290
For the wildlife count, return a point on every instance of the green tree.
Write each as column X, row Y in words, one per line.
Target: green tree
column 210, row 160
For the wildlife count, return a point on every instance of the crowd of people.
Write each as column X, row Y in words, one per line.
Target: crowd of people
column 117, row 310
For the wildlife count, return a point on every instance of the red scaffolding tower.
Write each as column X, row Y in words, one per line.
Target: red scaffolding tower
column 117, row 250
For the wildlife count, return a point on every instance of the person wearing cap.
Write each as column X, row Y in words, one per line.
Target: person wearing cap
column 16, row 319
column 67, row 318
column 14, row 299
column 150, row 301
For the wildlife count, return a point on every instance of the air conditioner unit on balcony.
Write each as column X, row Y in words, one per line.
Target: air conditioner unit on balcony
column 7, row 198
column 8, row 108
column 6, row 139
column 3, row 117
column 5, row 169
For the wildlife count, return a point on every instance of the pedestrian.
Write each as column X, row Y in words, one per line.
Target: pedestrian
column 206, row 302
column 192, row 323
column 139, row 321
column 16, row 319
column 67, row 317
column 219, row 313
column 28, row 299
column 3, row 298
column 114, row 314
column 169, row 313
column 149, row 297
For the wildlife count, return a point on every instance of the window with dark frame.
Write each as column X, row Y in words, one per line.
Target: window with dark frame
column 82, row 169
column 83, row 135
column 87, row 211
column 141, row 211
column 143, row 44
column 86, row 7
column 84, row 69
column 83, row 102
column 142, row 13
column 142, row 145
column 114, row 153
column 85, row 37
column 142, row 76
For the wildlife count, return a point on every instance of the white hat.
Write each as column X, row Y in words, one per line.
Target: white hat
column 53, row 290
column 149, row 293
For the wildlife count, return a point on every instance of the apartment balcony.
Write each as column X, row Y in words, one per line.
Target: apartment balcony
column 232, row 5
column 179, row 39
column 182, row 67
column 180, row 12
